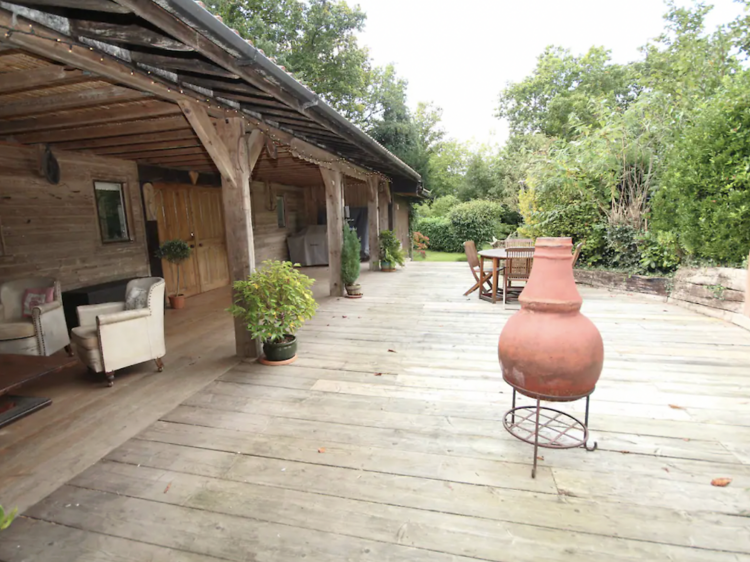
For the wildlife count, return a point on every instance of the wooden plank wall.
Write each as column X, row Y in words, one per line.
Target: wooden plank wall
column 53, row 230
column 270, row 240
column 355, row 194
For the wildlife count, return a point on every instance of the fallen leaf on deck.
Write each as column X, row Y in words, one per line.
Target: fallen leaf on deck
column 721, row 482
column 676, row 407
column 391, row 351
column 625, row 452
column 378, row 374
column 666, row 469
column 322, row 450
column 167, row 488
column 343, row 317
column 540, row 458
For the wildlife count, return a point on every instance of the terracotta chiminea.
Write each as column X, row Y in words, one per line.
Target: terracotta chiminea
column 549, row 350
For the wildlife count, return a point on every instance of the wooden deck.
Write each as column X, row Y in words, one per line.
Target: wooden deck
column 384, row 442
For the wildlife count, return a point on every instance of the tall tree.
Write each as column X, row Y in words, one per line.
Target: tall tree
column 556, row 96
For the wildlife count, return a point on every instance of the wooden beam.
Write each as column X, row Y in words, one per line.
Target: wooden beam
column 335, row 221
column 150, row 147
column 70, row 100
column 238, row 215
column 373, row 222
column 165, row 153
column 128, row 34
column 192, row 64
column 92, row 5
column 45, row 77
column 52, row 45
column 89, row 117
column 105, row 132
column 204, row 128
column 134, row 141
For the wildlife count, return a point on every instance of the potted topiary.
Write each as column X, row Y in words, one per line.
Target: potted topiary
column 391, row 252
column 273, row 302
column 176, row 252
column 350, row 263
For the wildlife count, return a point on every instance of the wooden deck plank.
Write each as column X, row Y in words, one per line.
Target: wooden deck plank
column 327, row 459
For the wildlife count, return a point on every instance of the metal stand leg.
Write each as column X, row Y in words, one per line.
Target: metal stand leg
column 536, row 439
column 513, row 415
column 586, row 423
column 586, row 419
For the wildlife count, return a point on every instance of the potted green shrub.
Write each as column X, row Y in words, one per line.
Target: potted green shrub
column 176, row 252
column 391, row 252
column 350, row 263
column 273, row 302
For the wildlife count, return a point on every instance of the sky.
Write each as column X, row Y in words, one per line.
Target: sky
column 460, row 54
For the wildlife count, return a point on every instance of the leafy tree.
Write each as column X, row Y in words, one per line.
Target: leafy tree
column 555, row 97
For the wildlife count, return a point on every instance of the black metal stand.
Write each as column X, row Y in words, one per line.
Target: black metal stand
column 547, row 427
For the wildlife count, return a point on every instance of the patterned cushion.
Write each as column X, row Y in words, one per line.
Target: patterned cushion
column 136, row 298
column 35, row 297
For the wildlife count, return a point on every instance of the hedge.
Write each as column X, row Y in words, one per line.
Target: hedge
column 441, row 233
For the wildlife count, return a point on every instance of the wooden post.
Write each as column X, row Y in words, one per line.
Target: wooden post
column 335, row 222
column 384, row 201
column 235, row 154
column 373, row 221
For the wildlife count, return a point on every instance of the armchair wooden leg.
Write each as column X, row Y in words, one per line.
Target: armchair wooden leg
column 69, row 350
column 110, row 378
column 159, row 364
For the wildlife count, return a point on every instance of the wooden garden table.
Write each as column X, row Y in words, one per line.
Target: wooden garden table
column 495, row 254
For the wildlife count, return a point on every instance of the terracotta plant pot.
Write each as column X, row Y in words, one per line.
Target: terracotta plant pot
column 549, row 349
column 177, row 301
column 355, row 289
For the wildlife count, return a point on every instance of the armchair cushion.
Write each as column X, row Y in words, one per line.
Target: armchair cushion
column 85, row 337
column 123, row 316
column 35, row 297
column 136, row 298
column 16, row 330
column 87, row 313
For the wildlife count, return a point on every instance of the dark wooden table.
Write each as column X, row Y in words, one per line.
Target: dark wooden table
column 16, row 370
column 496, row 254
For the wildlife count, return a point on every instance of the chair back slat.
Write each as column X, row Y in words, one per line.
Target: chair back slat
column 519, row 243
column 471, row 254
column 519, row 263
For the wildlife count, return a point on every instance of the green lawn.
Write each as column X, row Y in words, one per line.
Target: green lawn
column 444, row 256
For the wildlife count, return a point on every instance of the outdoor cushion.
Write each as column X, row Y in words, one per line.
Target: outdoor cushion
column 16, row 330
column 86, row 337
column 35, row 297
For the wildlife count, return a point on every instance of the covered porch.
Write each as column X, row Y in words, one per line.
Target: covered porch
column 384, row 441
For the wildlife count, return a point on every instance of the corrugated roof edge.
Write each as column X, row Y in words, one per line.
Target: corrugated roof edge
column 198, row 17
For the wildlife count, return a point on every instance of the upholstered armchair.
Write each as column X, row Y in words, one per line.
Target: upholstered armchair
column 43, row 331
column 114, row 335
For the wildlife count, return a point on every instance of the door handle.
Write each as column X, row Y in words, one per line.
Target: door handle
column 200, row 245
column 192, row 245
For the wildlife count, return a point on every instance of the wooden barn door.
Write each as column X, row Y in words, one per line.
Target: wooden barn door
column 195, row 215
column 210, row 239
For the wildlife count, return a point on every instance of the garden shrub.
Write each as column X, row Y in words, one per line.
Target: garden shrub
column 476, row 220
column 441, row 234
column 704, row 196
column 350, row 265
column 658, row 252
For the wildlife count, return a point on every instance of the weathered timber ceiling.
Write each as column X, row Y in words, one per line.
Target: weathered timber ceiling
column 78, row 112
column 46, row 102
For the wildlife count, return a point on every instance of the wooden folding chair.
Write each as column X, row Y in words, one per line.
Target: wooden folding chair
column 483, row 279
column 577, row 253
column 517, row 267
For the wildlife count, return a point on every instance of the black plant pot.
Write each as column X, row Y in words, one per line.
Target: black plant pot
column 281, row 351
